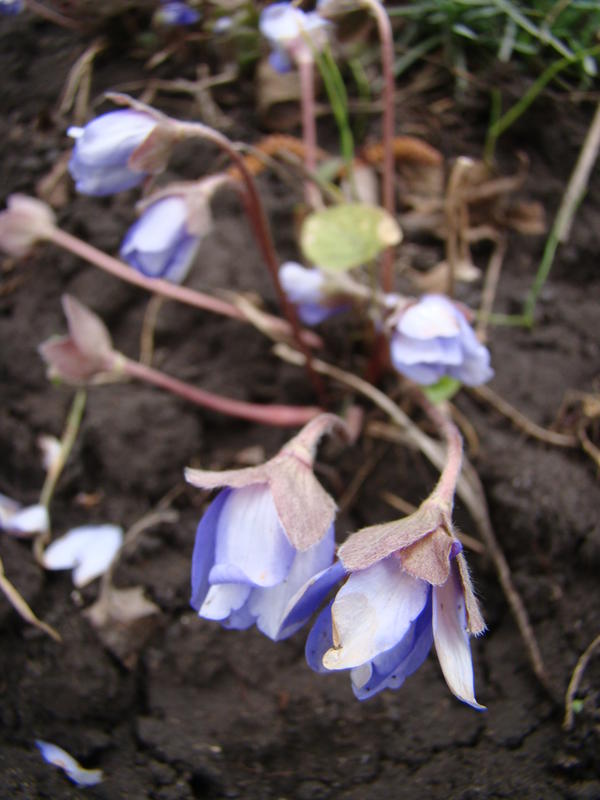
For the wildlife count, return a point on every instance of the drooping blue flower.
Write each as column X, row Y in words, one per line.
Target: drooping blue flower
column 103, row 148
column 176, row 13
column 160, row 244
column 306, row 290
column 408, row 587
column 264, row 548
column 381, row 626
column 433, row 339
column 291, row 33
column 245, row 570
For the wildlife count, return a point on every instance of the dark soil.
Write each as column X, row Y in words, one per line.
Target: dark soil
column 208, row 713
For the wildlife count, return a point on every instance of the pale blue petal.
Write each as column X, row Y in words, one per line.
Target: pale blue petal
column 308, row 598
column 319, row 641
column 390, row 669
column 223, row 599
column 409, row 351
column 373, row 611
column 101, row 181
column 424, row 374
column 270, row 605
column 452, row 638
column 111, row 138
column 204, row 549
column 250, row 537
column 433, row 316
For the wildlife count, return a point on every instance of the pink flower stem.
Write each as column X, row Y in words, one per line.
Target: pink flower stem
column 309, row 128
column 158, row 286
column 277, row 415
column 258, row 219
column 446, row 486
column 387, row 63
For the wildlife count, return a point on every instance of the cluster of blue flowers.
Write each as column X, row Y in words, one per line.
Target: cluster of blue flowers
column 265, row 555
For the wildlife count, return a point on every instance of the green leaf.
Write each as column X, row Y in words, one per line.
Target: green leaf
column 346, row 236
column 443, row 390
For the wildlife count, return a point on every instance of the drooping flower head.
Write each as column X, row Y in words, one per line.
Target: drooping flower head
column 103, row 160
column 306, row 288
column 408, row 588
column 291, row 33
column 265, row 537
column 166, row 238
column 25, row 221
column 432, row 339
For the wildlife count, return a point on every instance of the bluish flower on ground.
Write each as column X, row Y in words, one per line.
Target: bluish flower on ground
column 176, row 13
column 264, row 548
column 160, row 244
column 100, row 161
column 408, row 588
column 381, row 626
column 245, row 570
column 287, row 30
column 305, row 289
column 432, row 339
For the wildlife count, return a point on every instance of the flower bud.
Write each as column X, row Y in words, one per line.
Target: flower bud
column 101, row 160
column 25, row 222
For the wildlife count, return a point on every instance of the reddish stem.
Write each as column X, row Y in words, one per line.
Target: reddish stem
column 387, row 63
column 309, row 128
column 278, row 415
column 182, row 294
column 256, row 214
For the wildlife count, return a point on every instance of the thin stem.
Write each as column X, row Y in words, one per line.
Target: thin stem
column 258, row 219
column 387, row 62
column 278, row 415
column 309, row 128
column 22, row 608
column 158, row 286
column 66, row 445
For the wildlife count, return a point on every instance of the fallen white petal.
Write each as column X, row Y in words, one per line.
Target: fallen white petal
column 55, row 755
column 51, row 449
column 88, row 551
column 20, row 521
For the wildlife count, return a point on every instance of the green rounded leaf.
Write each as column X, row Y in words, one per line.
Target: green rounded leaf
column 346, row 236
column 443, row 390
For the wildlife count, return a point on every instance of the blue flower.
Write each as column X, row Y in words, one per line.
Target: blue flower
column 408, row 587
column 432, row 339
column 160, row 244
column 306, row 290
column 264, row 548
column 287, row 29
column 176, row 13
column 245, row 570
column 100, row 161
column 381, row 626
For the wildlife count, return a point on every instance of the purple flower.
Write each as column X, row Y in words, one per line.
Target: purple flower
column 305, row 288
column 287, row 29
column 176, row 13
column 432, row 339
column 245, row 570
column 408, row 587
column 100, row 164
column 160, row 244
column 264, row 548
